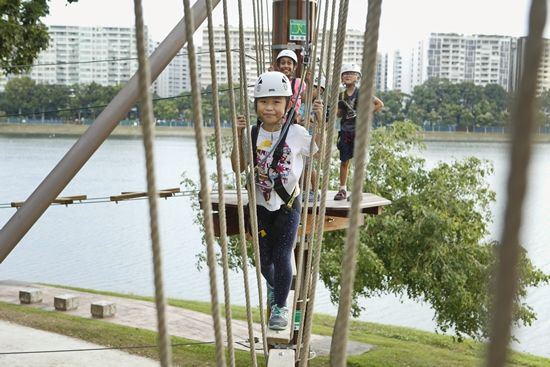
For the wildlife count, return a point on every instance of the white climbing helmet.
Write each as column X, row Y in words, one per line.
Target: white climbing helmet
column 352, row 67
column 272, row 84
column 288, row 53
column 322, row 84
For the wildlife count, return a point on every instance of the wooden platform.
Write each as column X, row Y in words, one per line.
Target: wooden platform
column 335, row 216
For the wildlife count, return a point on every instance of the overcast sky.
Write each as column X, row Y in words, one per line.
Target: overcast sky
column 403, row 21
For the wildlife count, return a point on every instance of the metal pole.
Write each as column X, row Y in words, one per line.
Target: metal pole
column 20, row 223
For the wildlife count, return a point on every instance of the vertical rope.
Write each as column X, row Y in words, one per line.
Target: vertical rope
column 364, row 117
column 303, row 271
column 219, row 167
column 205, row 188
column 251, row 188
column 262, row 66
column 269, row 36
column 242, row 238
column 523, row 116
column 333, row 90
column 307, row 284
column 147, row 122
column 256, row 36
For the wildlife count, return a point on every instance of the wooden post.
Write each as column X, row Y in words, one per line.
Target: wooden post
column 283, row 12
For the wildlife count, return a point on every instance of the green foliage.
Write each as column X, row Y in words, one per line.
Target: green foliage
column 430, row 242
column 166, row 109
column 25, row 97
column 396, row 105
column 465, row 105
column 22, row 34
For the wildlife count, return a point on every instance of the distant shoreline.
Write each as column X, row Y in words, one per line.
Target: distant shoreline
column 135, row 132
column 54, row 130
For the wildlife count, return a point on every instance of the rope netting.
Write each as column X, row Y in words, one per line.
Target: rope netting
column 308, row 268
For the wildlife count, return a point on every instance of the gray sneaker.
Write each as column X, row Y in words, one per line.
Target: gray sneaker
column 279, row 318
column 270, row 295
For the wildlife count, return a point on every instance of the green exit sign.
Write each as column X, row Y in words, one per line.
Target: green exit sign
column 297, row 30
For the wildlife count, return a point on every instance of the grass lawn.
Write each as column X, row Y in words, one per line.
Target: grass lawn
column 394, row 346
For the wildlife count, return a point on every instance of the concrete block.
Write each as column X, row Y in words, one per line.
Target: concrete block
column 31, row 295
column 65, row 302
column 102, row 309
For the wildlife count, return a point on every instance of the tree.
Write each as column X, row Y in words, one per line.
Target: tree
column 19, row 96
column 22, row 33
column 430, row 242
column 395, row 107
column 166, row 109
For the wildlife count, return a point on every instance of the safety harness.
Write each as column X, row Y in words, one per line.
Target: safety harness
column 277, row 154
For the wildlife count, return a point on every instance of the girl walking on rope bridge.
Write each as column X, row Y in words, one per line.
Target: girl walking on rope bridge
column 278, row 148
column 347, row 110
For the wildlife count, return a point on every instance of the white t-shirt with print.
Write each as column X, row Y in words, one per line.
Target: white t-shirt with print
column 290, row 166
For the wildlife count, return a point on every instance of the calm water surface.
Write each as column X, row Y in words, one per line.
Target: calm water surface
column 106, row 246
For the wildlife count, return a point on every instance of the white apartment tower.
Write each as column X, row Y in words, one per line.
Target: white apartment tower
column 175, row 78
column 82, row 55
column 543, row 77
column 221, row 63
column 381, row 76
column 353, row 53
column 481, row 59
column 81, row 49
column 398, row 74
column 408, row 69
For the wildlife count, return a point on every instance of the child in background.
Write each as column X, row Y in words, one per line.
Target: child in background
column 316, row 121
column 287, row 61
column 278, row 162
column 347, row 110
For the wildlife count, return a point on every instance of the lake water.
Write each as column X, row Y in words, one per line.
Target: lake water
column 106, row 245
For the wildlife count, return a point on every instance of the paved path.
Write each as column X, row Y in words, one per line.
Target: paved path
column 142, row 314
column 17, row 338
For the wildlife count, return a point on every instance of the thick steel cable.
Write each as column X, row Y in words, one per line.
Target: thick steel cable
column 165, row 349
column 339, row 343
column 331, row 128
column 240, row 207
column 205, row 185
column 221, row 196
column 256, row 35
column 523, row 121
column 252, row 185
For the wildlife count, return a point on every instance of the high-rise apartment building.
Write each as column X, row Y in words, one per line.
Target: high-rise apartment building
column 398, row 74
column 353, row 53
column 381, row 75
column 543, row 77
column 481, row 59
column 409, row 69
column 175, row 78
column 221, row 63
column 82, row 55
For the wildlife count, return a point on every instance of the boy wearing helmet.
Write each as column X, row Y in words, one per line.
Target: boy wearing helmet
column 286, row 63
column 347, row 110
column 279, row 151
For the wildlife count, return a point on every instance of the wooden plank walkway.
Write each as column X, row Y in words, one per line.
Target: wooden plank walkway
column 335, row 216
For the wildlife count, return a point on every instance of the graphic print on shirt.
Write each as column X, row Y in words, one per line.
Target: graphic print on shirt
column 265, row 175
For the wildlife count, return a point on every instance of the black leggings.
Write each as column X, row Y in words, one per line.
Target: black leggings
column 277, row 234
